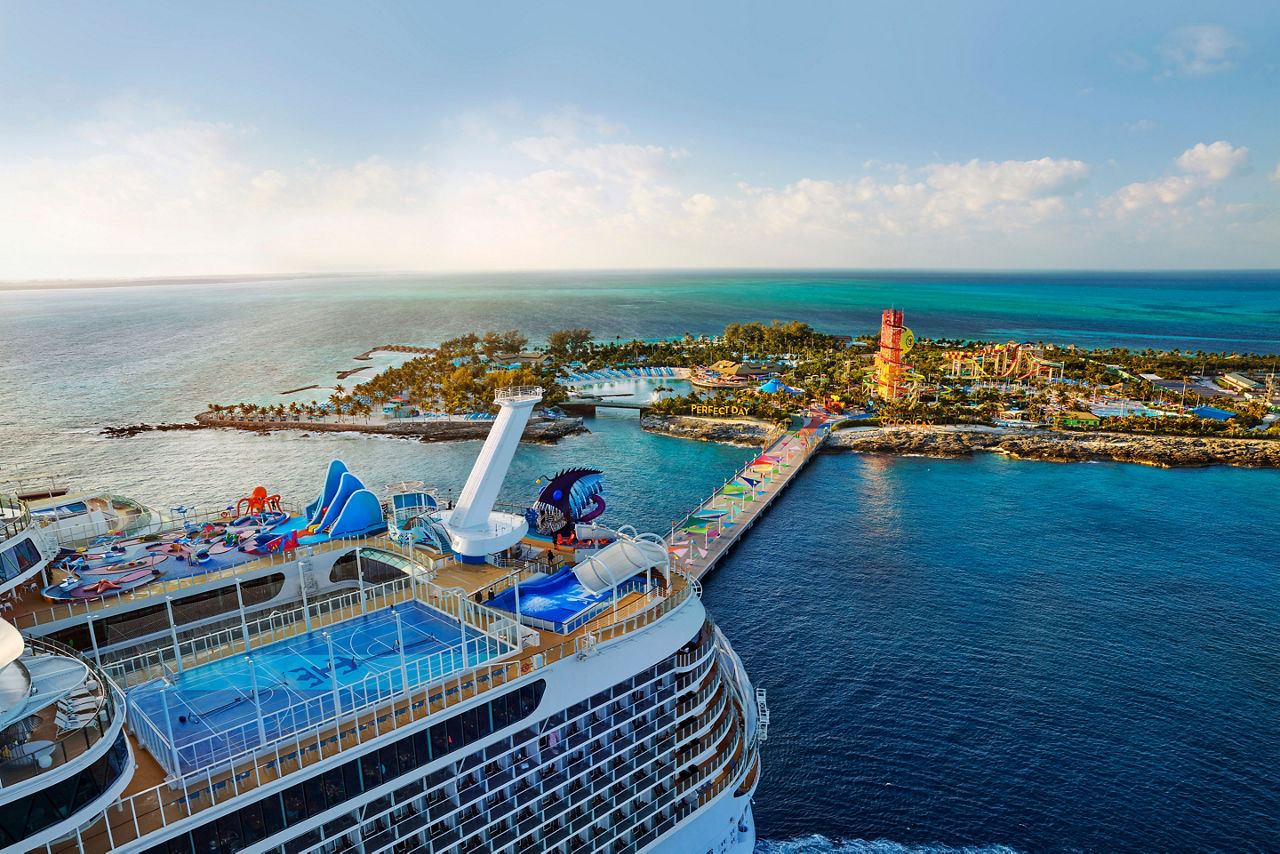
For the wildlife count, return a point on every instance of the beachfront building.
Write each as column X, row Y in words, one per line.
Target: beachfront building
column 1242, row 384
column 1078, row 418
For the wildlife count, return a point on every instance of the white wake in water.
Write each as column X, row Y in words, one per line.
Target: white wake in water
column 819, row 844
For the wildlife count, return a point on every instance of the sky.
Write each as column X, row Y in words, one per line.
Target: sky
column 163, row 139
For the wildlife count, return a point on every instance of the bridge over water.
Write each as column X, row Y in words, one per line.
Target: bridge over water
column 707, row 533
column 589, row 405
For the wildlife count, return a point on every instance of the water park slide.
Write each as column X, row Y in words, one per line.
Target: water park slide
column 554, row 598
column 345, row 508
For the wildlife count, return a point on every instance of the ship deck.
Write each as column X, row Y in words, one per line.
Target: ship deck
column 31, row 608
column 220, row 709
column 153, row 799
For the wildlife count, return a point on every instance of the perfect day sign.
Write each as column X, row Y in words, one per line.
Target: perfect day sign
column 704, row 409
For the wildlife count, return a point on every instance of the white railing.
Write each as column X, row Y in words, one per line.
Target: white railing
column 171, row 586
column 87, row 533
column 70, row 744
column 277, row 625
column 517, row 393
column 216, row 751
column 733, row 504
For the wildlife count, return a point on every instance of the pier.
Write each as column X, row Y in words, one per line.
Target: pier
column 589, row 405
column 710, row 531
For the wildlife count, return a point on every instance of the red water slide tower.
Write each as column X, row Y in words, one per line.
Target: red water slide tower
column 889, row 368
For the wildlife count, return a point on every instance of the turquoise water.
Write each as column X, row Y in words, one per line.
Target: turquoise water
column 959, row 654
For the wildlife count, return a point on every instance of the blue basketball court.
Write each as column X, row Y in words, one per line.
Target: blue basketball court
column 212, row 711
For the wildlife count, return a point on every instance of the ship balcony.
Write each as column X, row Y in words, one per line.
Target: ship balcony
column 518, row 394
column 65, row 756
column 14, row 517
column 69, row 706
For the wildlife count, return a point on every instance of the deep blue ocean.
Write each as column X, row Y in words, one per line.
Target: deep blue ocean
column 960, row 655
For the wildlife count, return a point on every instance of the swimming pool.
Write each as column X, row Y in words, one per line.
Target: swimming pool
column 207, row 714
column 1107, row 410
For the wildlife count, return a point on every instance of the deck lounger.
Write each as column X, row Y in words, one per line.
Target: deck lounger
column 78, row 706
column 71, row 724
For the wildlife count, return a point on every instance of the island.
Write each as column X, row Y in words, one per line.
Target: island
column 886, row 391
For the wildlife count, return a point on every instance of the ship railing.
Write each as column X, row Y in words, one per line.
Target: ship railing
column 17, row 517
column 169, row 802
column 182, row 797
column 654, row 603
column 246, row 634
column 219, row 751
column 174, row 586
column 73, row 744
column 517, row 393
column 643, row 611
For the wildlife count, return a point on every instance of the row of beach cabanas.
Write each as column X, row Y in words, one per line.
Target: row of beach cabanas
column 620, row 374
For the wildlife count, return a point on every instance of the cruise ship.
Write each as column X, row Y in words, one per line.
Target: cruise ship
column 430, row 680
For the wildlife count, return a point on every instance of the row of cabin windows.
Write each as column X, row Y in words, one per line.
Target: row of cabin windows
column 385, row 820
column 339, row 785
column 409, row 817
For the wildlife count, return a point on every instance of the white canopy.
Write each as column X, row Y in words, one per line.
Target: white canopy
column 619, row 561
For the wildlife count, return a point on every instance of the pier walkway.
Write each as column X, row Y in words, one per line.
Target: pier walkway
column 707, row 533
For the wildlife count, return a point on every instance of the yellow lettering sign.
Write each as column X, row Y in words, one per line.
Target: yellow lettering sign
column 705, row 409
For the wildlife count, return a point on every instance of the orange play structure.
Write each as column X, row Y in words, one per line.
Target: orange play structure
column 259, row 502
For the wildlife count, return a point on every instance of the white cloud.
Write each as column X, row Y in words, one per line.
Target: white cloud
column 149, row 191
column 623, row 162
column 1170, row 190
column 484, row 124
column 1206, row 167
column 978, row 185
column 700, row 204
column 1217, row 160
column 1140, row 126
column 1199, row 50
column 573, row 122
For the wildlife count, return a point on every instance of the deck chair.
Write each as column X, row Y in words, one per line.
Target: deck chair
column 72, row 724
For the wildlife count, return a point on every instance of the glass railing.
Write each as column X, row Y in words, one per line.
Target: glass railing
column 15, row 517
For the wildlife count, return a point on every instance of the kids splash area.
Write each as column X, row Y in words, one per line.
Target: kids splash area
column 255, row 526
column 206, row 715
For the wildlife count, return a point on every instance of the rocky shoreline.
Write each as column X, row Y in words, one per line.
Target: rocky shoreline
column 1055, row 446
column 542, row 431
column 730, row 431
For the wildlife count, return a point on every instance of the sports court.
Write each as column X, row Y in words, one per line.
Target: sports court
column 211, row 712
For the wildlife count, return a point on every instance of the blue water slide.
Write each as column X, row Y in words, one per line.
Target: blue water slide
column 347, row 486
column 337, row 469
column 361, row 513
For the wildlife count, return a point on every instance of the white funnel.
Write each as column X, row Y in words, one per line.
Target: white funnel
column 474, row 529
